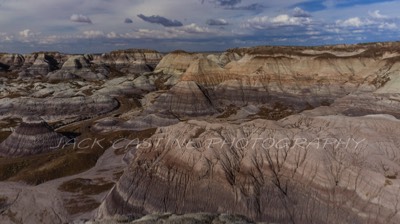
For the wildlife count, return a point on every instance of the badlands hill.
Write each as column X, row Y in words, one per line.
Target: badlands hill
column 261, row 134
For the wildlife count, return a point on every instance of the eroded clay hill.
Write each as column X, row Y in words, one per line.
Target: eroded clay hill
column 274, row 134
column 296, row 78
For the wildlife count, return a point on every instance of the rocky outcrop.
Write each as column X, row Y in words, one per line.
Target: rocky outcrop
column 33, row 136
column 12, row 61
column 224, row 58
column 139, row 123
column 132, row 61
column 291, row 79
column 362, row 104
column 307, row 80
column 167, row 218
column 78, row 107
column 282, row 134
column 175, row 64
column 184, row 99
column 79, row 67
column 32, row 65
column 269, row 171
column 59, row 67
column 40, row 64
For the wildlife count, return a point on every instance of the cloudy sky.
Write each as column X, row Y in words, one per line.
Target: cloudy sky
column 91, row 26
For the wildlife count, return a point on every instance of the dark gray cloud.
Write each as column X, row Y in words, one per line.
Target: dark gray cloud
column 160, row 20
column 227, row 2
column 223, row 2
column 252, row 7
column 235, row 5
column 128, row 20
column 80, row 18
column 217, row 22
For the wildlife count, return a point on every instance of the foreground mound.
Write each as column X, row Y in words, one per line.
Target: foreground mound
column 32, row 136
column 266, row 170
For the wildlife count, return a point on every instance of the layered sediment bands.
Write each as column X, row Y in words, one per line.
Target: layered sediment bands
column 134, row 61
column 365, row 104
column 149, row 121
column 59, row 67
column 32, row 65
column 298, row 170
column 79, row 107
column 167, row 218
column 79, row 67
column 222, row 88
column 184, row 99
column 40, row 64
column 203, row 67
column 33, row 136
column 12, row 60
column 139, row 123
column 298, row 81
column 366, row 50
column 224, row 58
column 175, row 64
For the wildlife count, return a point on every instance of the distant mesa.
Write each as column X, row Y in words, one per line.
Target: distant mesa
column 33, row 136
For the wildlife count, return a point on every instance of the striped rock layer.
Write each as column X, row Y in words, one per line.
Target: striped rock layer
column 297, row 78
column 301, row 169
column 31, row 137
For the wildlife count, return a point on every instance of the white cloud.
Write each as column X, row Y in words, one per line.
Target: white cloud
column 93, row 33
column 187, row 31
column 27, row 33
column 376, row 21
column 388, row 26
column 313, row 33
column 112, row 35
column 377, row 15
column 280, row 20
column 195, row 29
column 154, row 34
column 80, row 18
column 5, row 37
column 352, row 22
column 49, row 21
column 299, row 12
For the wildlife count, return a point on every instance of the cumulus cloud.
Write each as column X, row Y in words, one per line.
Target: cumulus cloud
column 93, row 34
column 160, row 20
column 377, row 15
column 388, row 26
column 217, row 22
column 354, row 22
column 187, row 31
column 80, row 18
column 303, row 21
column 4, row 37
column 128, row 20
column 26, row 33
column 277, row 21
column 375, row 20
column 147, row 33
column 195, row 29
column 299, row 12
column 112, row 35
